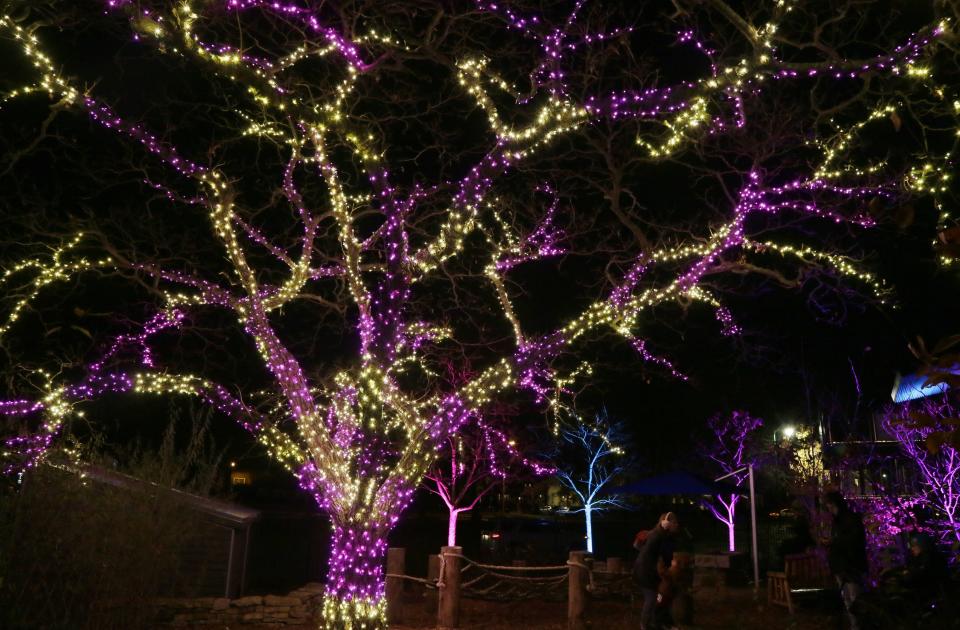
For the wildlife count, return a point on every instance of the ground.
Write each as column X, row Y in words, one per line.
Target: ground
column 730, row 609
column 733, row 609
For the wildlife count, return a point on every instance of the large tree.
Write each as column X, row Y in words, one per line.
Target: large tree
column 297, row 211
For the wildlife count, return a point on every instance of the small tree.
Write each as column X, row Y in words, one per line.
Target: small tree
column 473, row 462
column 731, row 451
column 800, row 473
column 939, row 468
column 596, row 458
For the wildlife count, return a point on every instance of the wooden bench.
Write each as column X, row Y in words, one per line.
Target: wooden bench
column 802, row 573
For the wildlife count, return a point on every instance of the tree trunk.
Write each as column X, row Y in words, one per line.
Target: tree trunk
column 452, row 527
column 355, row 597
column 588, row 516
column 448, row 611
column 731, row 526
column 954, row 526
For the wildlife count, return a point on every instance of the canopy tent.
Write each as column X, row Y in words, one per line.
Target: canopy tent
column 913, row 386
column 680, row 482
column 677, row 482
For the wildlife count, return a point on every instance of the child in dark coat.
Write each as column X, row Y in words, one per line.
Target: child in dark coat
column 657, row 548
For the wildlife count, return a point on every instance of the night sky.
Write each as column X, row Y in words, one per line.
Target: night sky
column 817, row 351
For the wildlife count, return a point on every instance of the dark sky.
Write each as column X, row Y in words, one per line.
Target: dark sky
column 794, row 362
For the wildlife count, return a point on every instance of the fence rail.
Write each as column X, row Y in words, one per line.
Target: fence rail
column 454, row 576
column 512, row 583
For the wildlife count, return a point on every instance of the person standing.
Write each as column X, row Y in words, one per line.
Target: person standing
column 846, row 551
column 657, row 548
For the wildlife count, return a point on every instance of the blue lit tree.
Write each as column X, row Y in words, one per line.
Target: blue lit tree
column 591, row 456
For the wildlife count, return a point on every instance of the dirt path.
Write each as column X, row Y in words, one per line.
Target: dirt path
column 736, row 610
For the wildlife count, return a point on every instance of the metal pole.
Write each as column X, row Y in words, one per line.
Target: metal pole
column 753, row 531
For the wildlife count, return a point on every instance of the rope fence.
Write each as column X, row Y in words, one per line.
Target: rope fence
column 610, row 584
column 506, row 582
column 412, row 578
column 512, row 583
column 454, row 576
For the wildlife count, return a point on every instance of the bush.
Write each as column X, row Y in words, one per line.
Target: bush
column 86, row 547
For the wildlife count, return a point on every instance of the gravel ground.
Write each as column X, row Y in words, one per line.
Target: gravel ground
column 734, row 610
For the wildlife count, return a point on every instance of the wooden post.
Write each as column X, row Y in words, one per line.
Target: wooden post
column 433, row 574
column 615, row 565
column 577, row 595
column 448, row 613
column 396, row 565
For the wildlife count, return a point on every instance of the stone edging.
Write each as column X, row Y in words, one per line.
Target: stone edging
column 297, row 608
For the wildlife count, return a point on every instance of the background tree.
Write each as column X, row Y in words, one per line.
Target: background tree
column 733, row 447
column 887, row 516
column 806, row 477
column 472, row 463
column 591, row 457
column 939, row 468
column 297, row 213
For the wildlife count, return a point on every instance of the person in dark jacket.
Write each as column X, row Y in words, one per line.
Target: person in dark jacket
column 657, row 547
column 846, row 551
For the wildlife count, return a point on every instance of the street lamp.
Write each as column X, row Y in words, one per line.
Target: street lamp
column 787, row 432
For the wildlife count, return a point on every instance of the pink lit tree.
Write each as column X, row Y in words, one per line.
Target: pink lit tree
column 939, row 468
column 298, row 212
column 732, row 448
column 471, row 464
column 886, row 517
